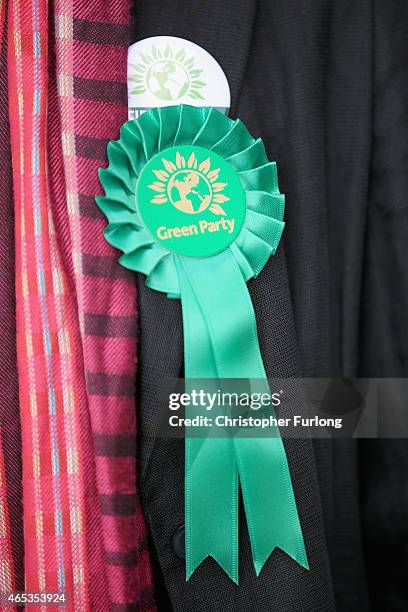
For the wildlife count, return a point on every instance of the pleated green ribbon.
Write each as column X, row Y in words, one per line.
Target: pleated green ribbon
column 220, row 333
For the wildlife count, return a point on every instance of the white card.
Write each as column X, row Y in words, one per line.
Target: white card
column 165, row 71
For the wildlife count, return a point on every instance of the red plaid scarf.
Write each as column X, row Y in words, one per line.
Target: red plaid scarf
column 11, row 523
column 76, row 309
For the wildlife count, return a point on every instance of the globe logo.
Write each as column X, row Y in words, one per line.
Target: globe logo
column 168, row 75
column 167, row 80
column 189, row 191
column 189, row 184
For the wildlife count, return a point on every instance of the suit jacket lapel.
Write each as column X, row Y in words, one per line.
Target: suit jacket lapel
column 160, row 359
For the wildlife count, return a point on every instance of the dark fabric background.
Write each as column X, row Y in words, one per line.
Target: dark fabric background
column 383, row 347
column 325, row 84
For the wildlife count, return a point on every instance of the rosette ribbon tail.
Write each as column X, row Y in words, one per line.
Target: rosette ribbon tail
column 194, row 204
column 221, row 342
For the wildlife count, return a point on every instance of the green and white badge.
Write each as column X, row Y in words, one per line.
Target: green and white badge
column 166, row 70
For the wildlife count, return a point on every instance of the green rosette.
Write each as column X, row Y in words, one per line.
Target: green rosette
column 193, row 203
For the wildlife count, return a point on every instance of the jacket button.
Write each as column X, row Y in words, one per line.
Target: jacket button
column 178, row 542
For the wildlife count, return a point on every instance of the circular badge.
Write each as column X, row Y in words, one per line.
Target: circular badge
column 166, row 70
column 191, row 200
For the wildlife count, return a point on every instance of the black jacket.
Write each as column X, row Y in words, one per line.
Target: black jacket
column 325, row 84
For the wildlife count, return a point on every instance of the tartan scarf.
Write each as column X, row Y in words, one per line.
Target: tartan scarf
column 11, row 523
column 84, row 529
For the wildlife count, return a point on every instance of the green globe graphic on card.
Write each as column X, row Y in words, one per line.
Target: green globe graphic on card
column 167, row 80
column 167, row 71
column 167, row 74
